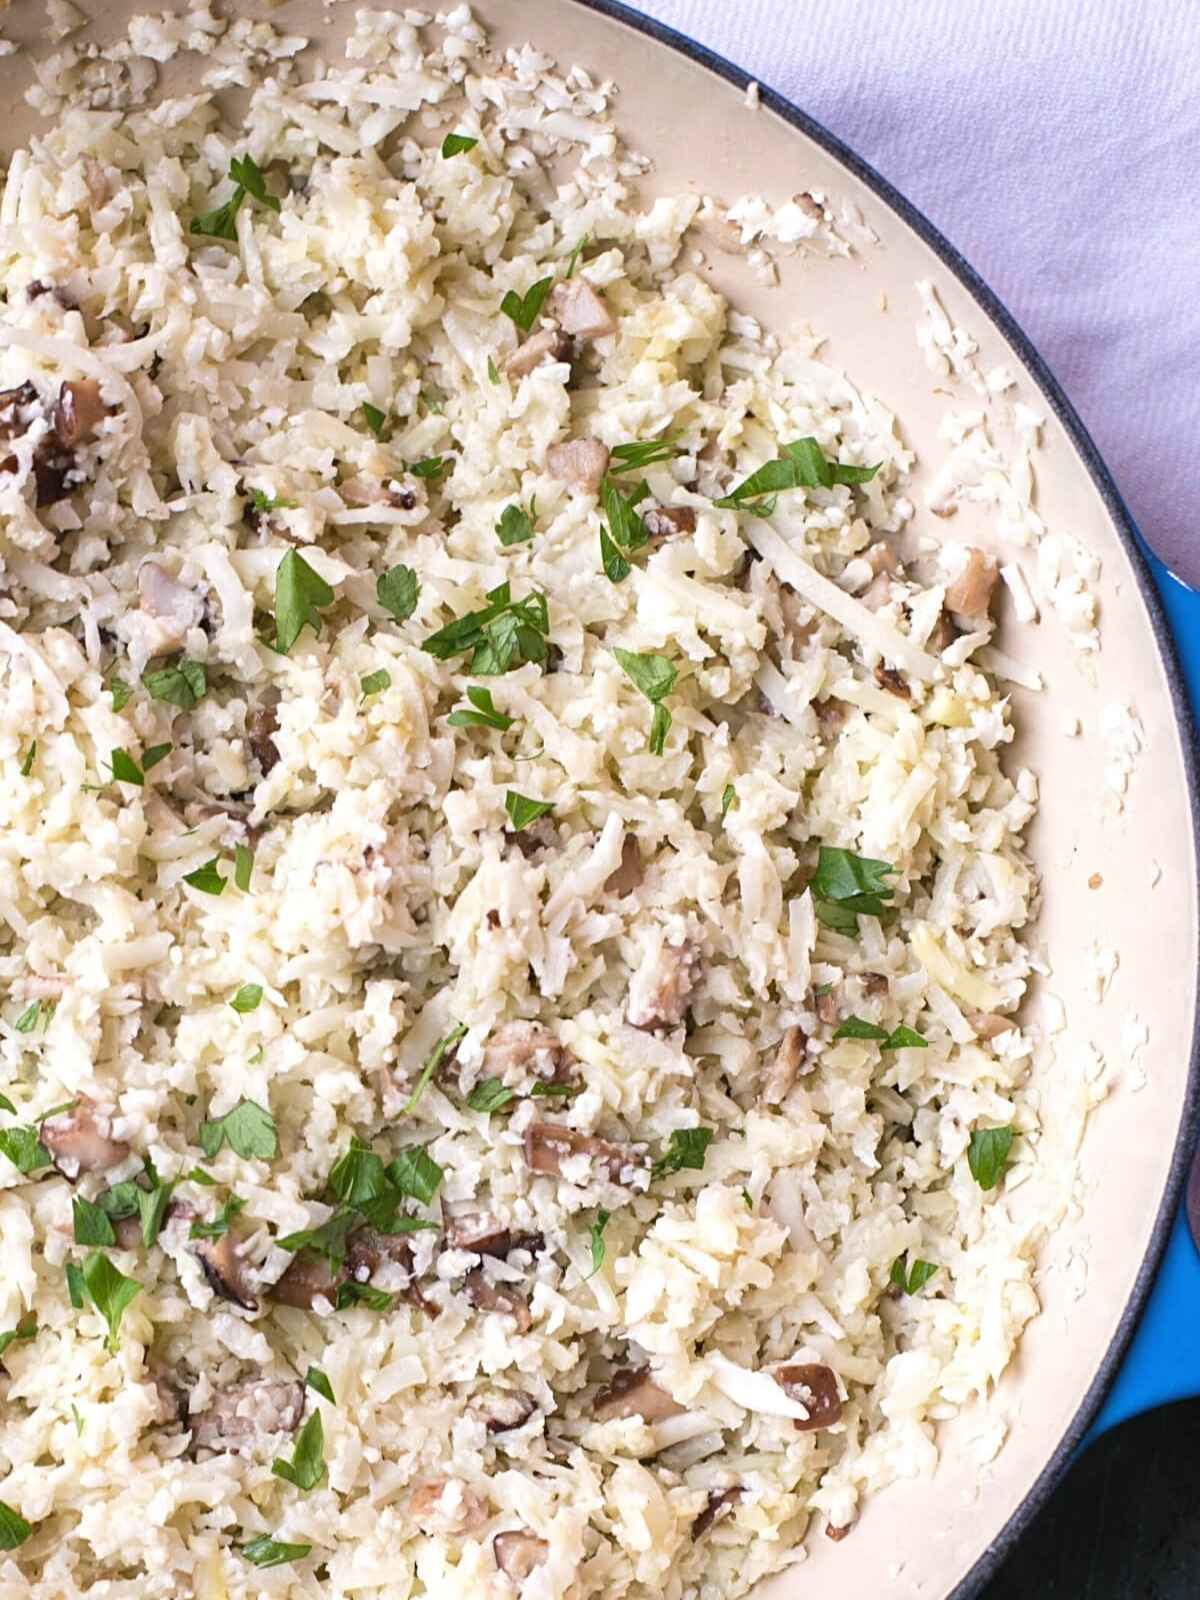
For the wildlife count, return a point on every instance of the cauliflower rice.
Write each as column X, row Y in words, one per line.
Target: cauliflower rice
column 664, row 998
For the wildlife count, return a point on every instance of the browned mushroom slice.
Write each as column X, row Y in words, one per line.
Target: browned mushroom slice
column 309, row 1277
column 990, row 1024
column 580, row 310
column 548, row 345
column 225, row 1270
column 971, row 592
column 367, row 1249
column 78, row 411
column 250, row 1413
column 943, row 635
column 816, row 1388
column 633, row 1393
column 478, row 1231
column 485, row 1296
column 661, row 987
column 830, row 714
column 448, row 1505
column 518, row 1047
column 506, row 1409
column 548, row 1145
column 19, row 407
column 719, row 1500
column 628, row 876
column 580, row 462
column 876, row 984
column 826, row 1007
column 128, row 1231
column 832, row 1531
column 669, row 522
column 782, row 1072
column 261, row 726
column 81, row 1140
column 518, row 1552
column 893, row 681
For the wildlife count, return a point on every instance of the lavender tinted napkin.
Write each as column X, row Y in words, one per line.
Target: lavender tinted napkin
column 1057, row 144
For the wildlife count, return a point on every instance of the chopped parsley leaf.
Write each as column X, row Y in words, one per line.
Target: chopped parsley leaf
column 248, row 1129
column 397, row 591
column 622, row 532
column 307, row 1467
column 111, row 1292
column 243, row 867
column 500, row 636
column 375, row 419
column 484, row 715
column 125, row 769
column 987, row 1155
column 120, row 692
column 655, row 677
column 522, row 810
column 801, row 465
column 492, row 371
column 316, row 1380
column 30, row 758
column 219, row 1226
column 915, row 1278
column 206, row 878
column 299, row 593
column 25, row 1330
column 687, row 1147
column 573, row 259
column 415, row 1173
column 376, row 682
column 490, row 1095
column 596, row 1236
column 515, row 526
column 846, row 886
column 14, row 1530
column 24, row 1148
column 267, row 1552
column 728, row 800
column 92, row 1226
column 434, row 1061
column 646, row 453
column 248, row 998
column 182, row 683
column 430, row 467
column 456, row 143
column 524, row 309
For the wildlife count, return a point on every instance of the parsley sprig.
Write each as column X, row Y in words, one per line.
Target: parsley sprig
column 248, row 179
column 655, row 677
column 846, row 886
column 500, row 636
column 802, row 465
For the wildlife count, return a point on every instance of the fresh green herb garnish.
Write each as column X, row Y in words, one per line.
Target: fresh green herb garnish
column 267, row 1552
column 655, row 677
column 30, row 1017
column 622, row 532
column 152, row 1207
column 125, row 769
column 434, row 1061
column 7, row 1105
column 376, row 682
column 307, row 1466
column 30, row 757
column 77, row 1419
column 987, row 1155
column 248, row 998
column 248, row 178
column 847, row 886
column 263, row 502
column 596, row 1236
column 206, row 878
column 362, row 1294
column 728, row 800
column 802, row 465
column 219, row 1226
column 74, row 1285
column 155, row 754
column 248, row 1129
column 515, row 526
column 502, row 635
column 24, row 1148
column 110, row 1291
column 524, row 309
column 490, row 1095
column 492, row 371
column 183, row 683
column 415, row 1173
column 522, row 811
column 905, row 1039
column 299, row 592
column 243, row 867
column 899, row 1039
column 120, row 692
column 455, row 143
column 316, row 1380
column 554, row 1091
column 92, row 1227
column 573, row 258
column 433, row 400
column 646, row 453
column 916, row 1277
column 327, row 1239
column 431, row 467
column 14, row 1530
column 198, row 1175
column 357, row 1176
column 484, row 715
column 25, row 1330
column 397, row 591
column 687, row 1147
column 375, row 419
column 749, row 1203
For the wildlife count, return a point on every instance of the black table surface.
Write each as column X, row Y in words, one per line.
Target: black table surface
column 1125, row 1524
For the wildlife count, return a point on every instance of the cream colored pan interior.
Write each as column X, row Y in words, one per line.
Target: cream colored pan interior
column 1128, row 879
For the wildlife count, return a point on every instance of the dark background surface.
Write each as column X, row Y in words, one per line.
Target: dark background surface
column 1125, row 1524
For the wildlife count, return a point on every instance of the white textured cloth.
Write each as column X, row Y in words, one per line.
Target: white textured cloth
column 1057, row 144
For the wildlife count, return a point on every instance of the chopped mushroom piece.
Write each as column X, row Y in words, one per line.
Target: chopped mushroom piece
column 478, row 1231
column 832, row 1531
column 830, row 714
column 719, row 1500
column 971, row 592
column 548, row 345
column 580, row 310
column 517, row 1553
column 485, row 1296
column 989, row 1024
column 669, row 522
column 81, row 1140
column 367, row 1249
column 783, row 1069
column 662, row 985
column 519, row 1047
column 875, row 984
column 580, row 462
column 633, row 1393
column 816, row 1387
column 78, row 411
column 628, row 876
column 893, row 681
column 826, row 1007
column 225, row 1270
column 261, row 725
column 448, row 1505
column 19, row 408
column 309, row 1277
column 174, row 607
column 506, row 1409
column 548, row 1145
column 250, row 1413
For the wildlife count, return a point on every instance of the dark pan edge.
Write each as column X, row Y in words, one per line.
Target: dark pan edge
column 992, row 1558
